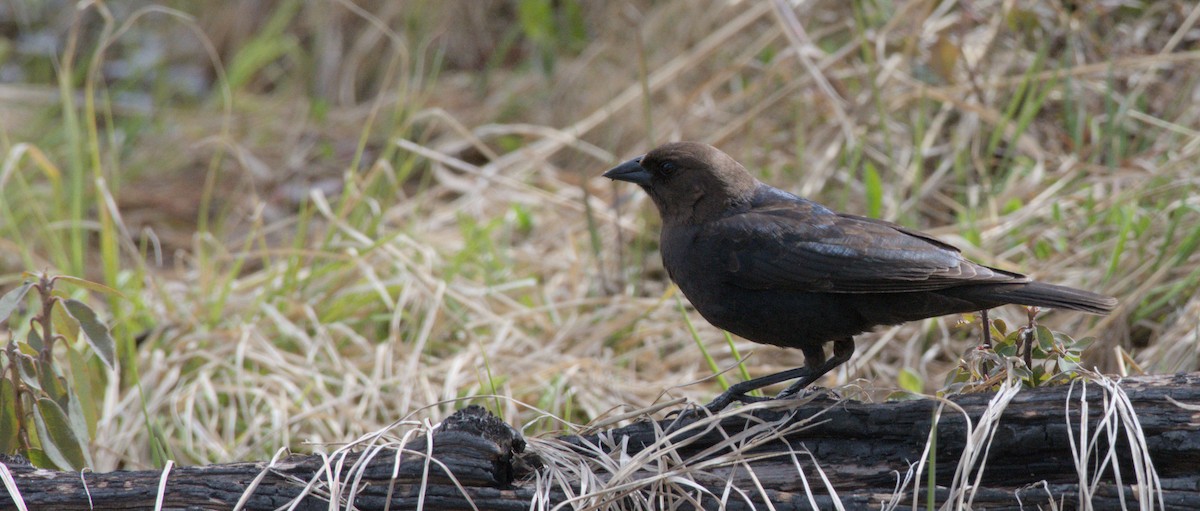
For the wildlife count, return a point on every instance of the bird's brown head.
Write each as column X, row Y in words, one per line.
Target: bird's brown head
column 689, row 182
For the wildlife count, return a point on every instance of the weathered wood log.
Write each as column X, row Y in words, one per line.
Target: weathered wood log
column 789, row 455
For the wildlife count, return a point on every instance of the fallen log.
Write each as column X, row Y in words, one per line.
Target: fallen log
column 1135, row 444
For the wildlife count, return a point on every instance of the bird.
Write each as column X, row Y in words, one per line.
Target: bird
column 779, row 269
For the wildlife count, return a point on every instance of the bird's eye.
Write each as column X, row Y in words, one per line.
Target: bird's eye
column 668, row 167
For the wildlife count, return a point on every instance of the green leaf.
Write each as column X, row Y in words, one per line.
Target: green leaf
column 573, row 30
column 51, row 384
column 81, row 386
column 29, row 372
column 1006, row 348
column 38, row 458
column 77, row 421
column 524, row 219
column 1045, row 339
column 537, row 20
column 1000, row 326
column 95, row 331
column 61, row 321
column 34, row 340
column 57, row 437
column 8, row 417
column 874, row 186
column 1012, row 206
column 1022, row 372
column 959, row 376
column 11, row 299
column 1042, row 249
column 87, row 284
column 1013, row 337
column 1068, row 363
column 1039, row 375
column 911, row 381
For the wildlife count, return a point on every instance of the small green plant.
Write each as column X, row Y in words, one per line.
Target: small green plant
column 47, row 414
column 552, row 27
column 1038, row 356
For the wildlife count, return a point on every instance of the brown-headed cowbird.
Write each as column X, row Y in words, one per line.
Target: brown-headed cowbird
column 779, row 269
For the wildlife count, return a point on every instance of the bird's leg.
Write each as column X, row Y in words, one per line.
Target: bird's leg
column 987, row 329
column 1031, row 334
column 815, row 366
column 737, row 391
column 842, row 350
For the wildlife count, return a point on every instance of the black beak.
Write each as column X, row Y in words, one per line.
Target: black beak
column 631, row 171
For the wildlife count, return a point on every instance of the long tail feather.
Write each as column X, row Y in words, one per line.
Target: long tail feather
column 1059, row 297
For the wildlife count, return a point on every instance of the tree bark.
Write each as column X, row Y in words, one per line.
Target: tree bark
column 796, row 455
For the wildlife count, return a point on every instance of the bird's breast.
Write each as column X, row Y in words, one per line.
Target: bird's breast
column 699, row 266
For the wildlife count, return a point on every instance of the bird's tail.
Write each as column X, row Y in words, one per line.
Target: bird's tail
column 1059, row 297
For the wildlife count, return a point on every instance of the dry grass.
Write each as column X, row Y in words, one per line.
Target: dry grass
column 412, row 223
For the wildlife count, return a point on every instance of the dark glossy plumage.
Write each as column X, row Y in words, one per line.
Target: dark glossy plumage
column 779, row 269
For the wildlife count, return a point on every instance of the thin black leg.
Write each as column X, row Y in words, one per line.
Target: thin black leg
column 987, row 329
column 842, row 350
column 1030, row 335
column 815, row 367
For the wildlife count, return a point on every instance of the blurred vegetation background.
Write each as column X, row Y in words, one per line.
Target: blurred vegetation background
column 314, row 219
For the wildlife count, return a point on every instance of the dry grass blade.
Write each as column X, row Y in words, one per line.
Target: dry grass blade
column 249, row 491
column 837, row 502
column 11, row 486
column 1093, row 461
column 161, row 494
column 979, row 443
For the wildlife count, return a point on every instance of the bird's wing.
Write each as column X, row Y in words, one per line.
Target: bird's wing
column 803, row 246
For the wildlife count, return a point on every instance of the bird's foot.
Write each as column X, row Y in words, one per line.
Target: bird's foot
column 715, row 406
column 690, row 414
column 683, row 416
column 795, row 389
column 729, row 397
column 790, row 393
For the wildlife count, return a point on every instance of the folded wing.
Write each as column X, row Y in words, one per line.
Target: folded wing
column 786, row 242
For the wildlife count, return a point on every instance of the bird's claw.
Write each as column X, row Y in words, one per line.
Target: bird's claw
column 790, row 393
column 692, row 413
column 724, row 400
column 682, row 416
